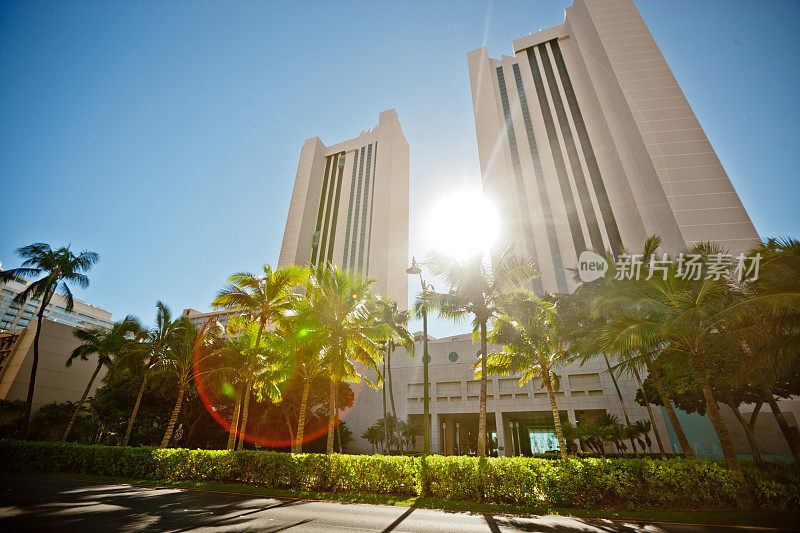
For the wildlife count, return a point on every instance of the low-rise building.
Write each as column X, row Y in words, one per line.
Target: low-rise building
column 15, row 315
column 54, row 381
column 520, row 419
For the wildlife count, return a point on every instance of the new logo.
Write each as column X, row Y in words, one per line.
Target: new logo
column 591, row 266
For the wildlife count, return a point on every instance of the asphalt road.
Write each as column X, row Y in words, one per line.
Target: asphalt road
column 59, row 505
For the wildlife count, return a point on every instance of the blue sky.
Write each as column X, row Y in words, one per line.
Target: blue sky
column 166, row 135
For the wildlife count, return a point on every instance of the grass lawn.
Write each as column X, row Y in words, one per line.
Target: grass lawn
column 741, row 518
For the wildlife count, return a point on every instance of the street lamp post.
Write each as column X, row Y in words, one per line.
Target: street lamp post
column 415, row 269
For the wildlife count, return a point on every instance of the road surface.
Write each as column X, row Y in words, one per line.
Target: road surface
column 32, row 503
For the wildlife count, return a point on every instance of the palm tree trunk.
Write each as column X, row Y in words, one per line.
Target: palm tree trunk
column 128, row 431
column 776, row 411
column 734, row 467
column 301, row 419
column 391, row 389
column 482, row 412
column 754, row 415
column 248, row 386
column 758, row 459
column 621, row 401
column 26, row 418
column 673, row 418
column 291, row 430
column 174, row 417
column 556, row 418
column 650, row 414
column 80, row 403
column 385, row 425
column 331, row 417
column 233, row 431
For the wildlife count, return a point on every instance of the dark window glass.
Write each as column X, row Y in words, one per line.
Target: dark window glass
column 552, row 238
column 609, row 220
column 522, row 198
column 555, row 148
column 572, row 153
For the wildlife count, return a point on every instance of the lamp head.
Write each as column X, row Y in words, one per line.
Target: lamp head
column 414, row 269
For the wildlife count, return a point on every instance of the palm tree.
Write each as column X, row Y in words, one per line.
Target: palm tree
column 641, row 431
column 528, row 332
column 299, row 344
column 686, row 313
column 103, row 343
column 373, row 435
column 342, row 311
column 186, row 350
column 395, row 321
column 587, row 315
column 58, row 268
column 153, row 344
column 768, row 324
column 478, row 290
column 233, row 348
column 265, row 298
column 652, row 423
column 409, row 430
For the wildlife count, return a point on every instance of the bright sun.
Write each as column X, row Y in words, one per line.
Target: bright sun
column 463, row 225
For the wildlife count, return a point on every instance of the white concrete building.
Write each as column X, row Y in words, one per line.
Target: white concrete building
column 54, row 381
column 350, row 207
column 519, row 418
column 587, row 142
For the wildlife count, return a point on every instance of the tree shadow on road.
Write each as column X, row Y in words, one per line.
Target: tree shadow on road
column 69, row 505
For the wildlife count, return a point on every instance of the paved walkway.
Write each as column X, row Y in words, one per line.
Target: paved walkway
column 59, row 505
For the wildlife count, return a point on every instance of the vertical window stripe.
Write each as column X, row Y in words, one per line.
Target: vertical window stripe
column 371, row 206
column 349, row 228
column 522, row 201
column 354, row 244
column 561, row 171
column 552, row 238
column 572, row 153
column 335, row 216
column 609, row 220
column 325, row 237
column 362, row 237
column 322, row 195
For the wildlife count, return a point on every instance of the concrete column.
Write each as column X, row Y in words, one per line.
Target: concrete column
column 574, row 421
column 450, row 434
column 501, row 434
column 442, row 434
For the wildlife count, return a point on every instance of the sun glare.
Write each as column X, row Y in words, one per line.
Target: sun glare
column 463, row 225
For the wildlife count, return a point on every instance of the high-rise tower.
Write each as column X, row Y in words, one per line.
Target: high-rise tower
column 586, row 141
column 350, row 207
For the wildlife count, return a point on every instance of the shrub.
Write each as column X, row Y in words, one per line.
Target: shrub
column 588, row 483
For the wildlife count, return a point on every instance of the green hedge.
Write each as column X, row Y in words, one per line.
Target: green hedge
column 588, row 483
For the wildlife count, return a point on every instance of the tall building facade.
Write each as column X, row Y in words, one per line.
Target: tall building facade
column 349, row 207
column 586, row 142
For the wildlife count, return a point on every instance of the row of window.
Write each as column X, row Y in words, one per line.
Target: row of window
column 579, row 385
column 555, row 111
column 359, row 212
column 327, row 214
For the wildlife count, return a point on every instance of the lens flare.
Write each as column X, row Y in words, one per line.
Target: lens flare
column 266, row 424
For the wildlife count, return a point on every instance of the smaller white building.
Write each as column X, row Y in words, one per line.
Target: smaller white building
column 55, row 382
column 14, row 315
